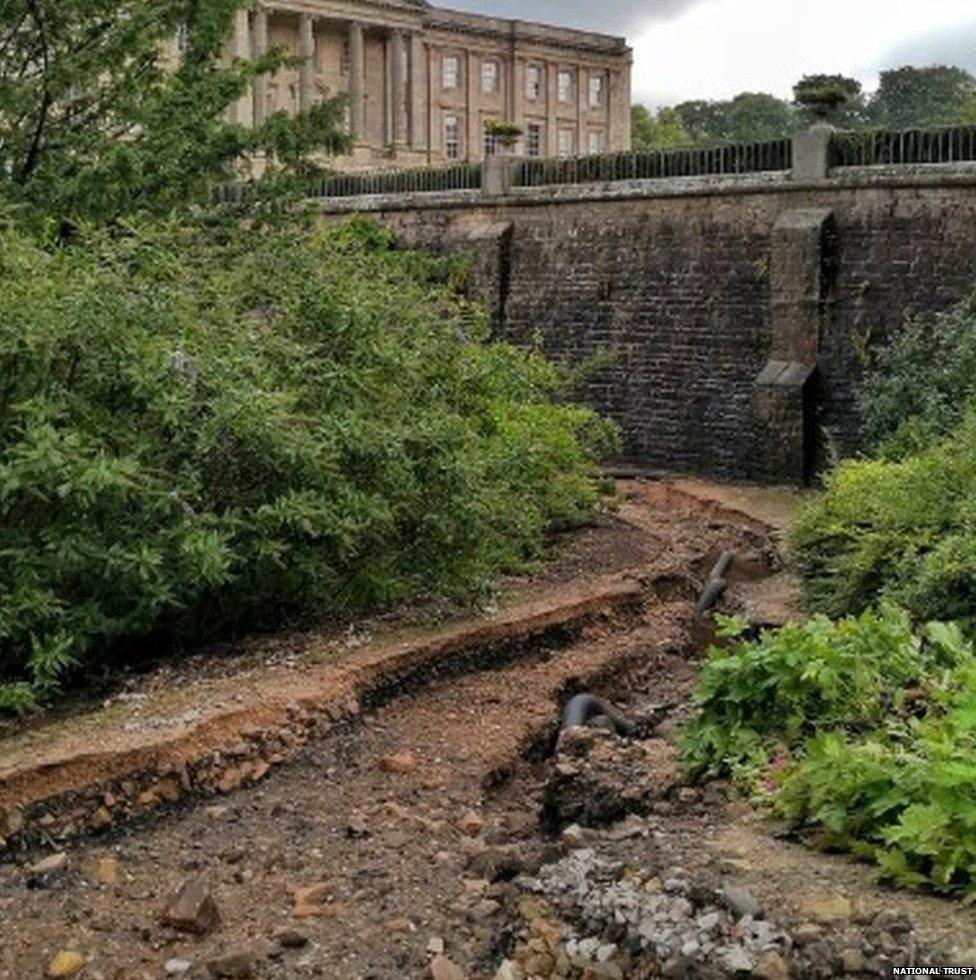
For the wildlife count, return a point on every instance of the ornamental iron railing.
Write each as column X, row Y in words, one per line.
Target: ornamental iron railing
column 731, row 159
column 910, row 147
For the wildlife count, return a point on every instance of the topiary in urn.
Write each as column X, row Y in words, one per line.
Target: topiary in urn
column 824, row 94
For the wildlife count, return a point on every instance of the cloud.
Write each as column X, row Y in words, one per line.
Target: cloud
column 950, row 46
column 609, row 16
column 715, row 50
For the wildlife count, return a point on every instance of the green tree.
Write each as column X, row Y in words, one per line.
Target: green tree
column 756, row 116
column 912, row 97
column 657, row 131
column 747, row 118
column 99, row 116
column 704, row 121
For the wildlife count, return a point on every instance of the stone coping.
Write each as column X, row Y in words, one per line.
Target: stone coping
column 842, row 178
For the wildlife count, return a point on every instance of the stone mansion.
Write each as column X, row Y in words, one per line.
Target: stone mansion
column 424, row 82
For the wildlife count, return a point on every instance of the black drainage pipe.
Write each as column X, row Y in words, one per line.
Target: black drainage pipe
column 716, row 584
column 583, row 707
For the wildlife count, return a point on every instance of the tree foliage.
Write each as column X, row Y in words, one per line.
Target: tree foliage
column 660, row 130
column 911, row 97
column 907, row 98
column 749, row 117
column 922, row 382
column 204, row 428
column 899, row 524
column 100, row 117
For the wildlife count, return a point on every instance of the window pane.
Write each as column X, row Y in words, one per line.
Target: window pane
column 452, row 137
column 452, row 71
column 491, row 142
column 489, row 77
column 565, row 142
column 565, row 86
column 533, row 82
column 533, row 140
column 596, row 91
column 596, row 144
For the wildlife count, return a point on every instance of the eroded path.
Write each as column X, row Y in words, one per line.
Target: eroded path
column 407, row 841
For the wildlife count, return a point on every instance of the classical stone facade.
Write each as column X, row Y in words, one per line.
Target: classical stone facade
column 423, row 82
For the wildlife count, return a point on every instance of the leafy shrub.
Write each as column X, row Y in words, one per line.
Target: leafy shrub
column 863, row 730
column 922, row 382
column 800, row 679
column 900, row 530
column 899, row 525
column 209, row 428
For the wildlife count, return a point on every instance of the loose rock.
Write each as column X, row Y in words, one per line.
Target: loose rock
column 441, row 968
column 771, row 966
column 52, row 864
column 399, row 762
column 236, row 965
column 106, row 871
column 193, row 908
column 574, row 836
column 740, row 901
column 291, row 938
column 67, row 963
column 470, row 824
column 826, row 910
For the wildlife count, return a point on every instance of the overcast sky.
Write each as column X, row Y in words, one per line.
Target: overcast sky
column 713, row 49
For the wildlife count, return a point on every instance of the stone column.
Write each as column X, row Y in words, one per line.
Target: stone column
column 356, row 72
column 388, row 91
column 622, row 125
column 475, row 141
column 259, row 47
column 552, row 96
column 418, row 127
column 306, row 71
column 582, row 110
column 240, row 49
column 513, row 100
column 400, row 83
column 811, row 152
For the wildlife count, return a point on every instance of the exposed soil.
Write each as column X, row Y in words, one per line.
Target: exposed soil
column 421, row 817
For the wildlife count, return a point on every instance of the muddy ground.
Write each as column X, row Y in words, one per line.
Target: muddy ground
column 448, row 834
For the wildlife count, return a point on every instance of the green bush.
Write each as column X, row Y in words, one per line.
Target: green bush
column 898, row 530
column 922, row 382
column 898, row 525
column 800, row 679
column 210, row 428
column 862, row 733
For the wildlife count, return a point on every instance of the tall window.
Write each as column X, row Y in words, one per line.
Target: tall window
column 344, row 58
column 451, row 75
column 491, row 141
column 533, row 82
column 489, row 77
column 596, row 91
column 533, row 140
column 565, row 86
column 595, row 142
column 452, row 137
column 564, row 142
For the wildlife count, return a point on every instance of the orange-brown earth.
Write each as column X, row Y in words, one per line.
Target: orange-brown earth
column 397, row 834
